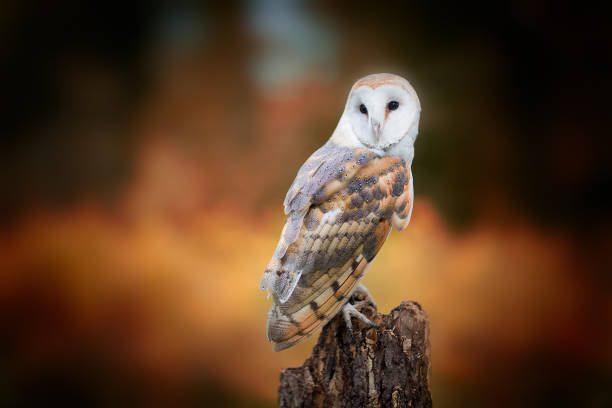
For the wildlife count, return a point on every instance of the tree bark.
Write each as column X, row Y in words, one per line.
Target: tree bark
column 385, row 366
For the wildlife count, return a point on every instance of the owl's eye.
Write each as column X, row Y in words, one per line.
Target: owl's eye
column 363, row 109
column 393, row 105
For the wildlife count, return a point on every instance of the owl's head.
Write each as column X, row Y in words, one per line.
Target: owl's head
column 383, row 111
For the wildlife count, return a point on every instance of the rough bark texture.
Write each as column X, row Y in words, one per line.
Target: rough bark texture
column 387, row 366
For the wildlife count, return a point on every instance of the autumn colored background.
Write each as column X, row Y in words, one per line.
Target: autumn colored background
column 147, row 149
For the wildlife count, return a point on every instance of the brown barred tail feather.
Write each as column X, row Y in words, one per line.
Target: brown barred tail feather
column 291, row 324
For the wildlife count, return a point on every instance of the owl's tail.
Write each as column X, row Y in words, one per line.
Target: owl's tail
column 311, row 307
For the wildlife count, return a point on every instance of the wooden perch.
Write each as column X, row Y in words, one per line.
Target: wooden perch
column 387, row 366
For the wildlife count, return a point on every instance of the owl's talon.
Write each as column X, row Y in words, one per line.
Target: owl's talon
column 349, row 311
column 361, row 296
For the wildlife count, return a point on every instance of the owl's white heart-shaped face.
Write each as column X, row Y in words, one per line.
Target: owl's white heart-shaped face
column 383, row 110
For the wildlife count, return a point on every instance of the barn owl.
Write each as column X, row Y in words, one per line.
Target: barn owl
column 340, row 210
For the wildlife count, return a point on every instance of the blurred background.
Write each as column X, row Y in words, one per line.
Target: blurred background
column 147, row 148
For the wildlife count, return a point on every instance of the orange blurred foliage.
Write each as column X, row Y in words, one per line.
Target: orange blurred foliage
column 166, row 287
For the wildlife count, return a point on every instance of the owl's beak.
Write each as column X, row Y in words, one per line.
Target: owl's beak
column 376, row 128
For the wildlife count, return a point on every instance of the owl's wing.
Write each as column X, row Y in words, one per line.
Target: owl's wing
column 327, row 170
column 342, row 232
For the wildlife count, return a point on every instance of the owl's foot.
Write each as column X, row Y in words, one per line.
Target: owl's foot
column 361, row 297
column 348, row 311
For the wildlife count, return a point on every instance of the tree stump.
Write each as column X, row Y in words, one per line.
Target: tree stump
column 385, row 366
